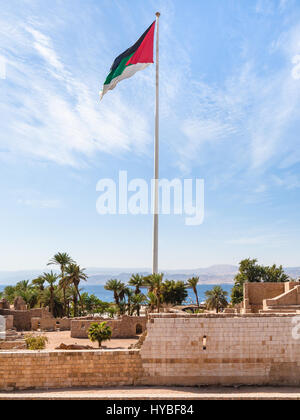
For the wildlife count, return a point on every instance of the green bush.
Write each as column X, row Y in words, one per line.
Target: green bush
column 36, row 342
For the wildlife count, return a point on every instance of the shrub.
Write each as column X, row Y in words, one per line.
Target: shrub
column 36, row 342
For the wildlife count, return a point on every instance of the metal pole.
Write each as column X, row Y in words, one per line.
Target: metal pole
column 156, row 156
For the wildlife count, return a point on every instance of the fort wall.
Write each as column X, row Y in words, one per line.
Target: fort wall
column 179, row 350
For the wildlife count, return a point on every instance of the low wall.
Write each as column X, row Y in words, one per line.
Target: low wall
column 221, row 350
column 50, row 324
column 126, row 327
column 46, row 370
column 13, row 345
column 22, row 319
column 9, row 322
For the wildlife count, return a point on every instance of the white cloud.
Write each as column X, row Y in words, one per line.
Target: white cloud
column 44, row 47
column 251, row 112
column 52, row 114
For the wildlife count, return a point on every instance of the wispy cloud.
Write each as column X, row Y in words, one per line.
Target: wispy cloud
column 50, row 113
column 269, row 240
column 249, row 116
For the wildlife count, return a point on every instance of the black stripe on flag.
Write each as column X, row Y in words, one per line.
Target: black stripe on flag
column 130, row 50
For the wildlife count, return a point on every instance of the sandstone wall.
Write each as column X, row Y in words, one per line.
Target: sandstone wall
column 12, row 345
column 22, row 319
column 50, row 324
column 179, row 350
column 126, row 327
column 46, row 370
column 221, row 350
column 9, row 322
column 256, row 293
column 289, row 298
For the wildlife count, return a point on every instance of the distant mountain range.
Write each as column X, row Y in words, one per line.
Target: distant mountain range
column 216, row 274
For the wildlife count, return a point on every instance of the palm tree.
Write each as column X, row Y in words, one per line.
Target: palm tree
column 193, row 282
column 74, row 275
column 155, row 283
column 136, row 281
column 53, row 297
column 216, row 298
column 129, row 294
column 71, row 296
column 23, row 285
column 115, row 286
column 152, row 301
column 62, row 259
column 99, row 332
column 39, row 282
column 136, row 302
column 27, row 292
column 51, row 278
column 64, row 283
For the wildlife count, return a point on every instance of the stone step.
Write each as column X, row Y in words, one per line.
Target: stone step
column 279, row 311
column 289, row 307
column 12, row 335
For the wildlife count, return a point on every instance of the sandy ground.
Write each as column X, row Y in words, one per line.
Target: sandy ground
column 57, row 338
column 159, row 393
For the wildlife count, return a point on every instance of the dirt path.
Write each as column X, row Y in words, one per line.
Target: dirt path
column 57, row 338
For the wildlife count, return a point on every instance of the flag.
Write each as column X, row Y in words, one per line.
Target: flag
column 136, row 58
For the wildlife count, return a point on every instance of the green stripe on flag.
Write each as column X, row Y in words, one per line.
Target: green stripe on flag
column 119, row 70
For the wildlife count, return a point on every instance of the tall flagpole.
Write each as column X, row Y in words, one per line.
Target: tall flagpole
column 156, row 156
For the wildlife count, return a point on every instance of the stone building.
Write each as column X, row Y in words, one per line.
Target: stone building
column 271, row 297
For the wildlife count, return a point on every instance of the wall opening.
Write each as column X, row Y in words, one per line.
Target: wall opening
column 204, row 342
column 139, row 329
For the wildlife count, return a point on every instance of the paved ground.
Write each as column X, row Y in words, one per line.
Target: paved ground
column 57, row 338
column 244, row 393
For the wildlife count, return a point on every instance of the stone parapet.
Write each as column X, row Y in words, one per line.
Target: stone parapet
column 65, row 369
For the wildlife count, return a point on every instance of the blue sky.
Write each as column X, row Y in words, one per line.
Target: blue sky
column 230, row 108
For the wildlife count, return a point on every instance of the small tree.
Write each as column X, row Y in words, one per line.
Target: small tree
column 99, row 332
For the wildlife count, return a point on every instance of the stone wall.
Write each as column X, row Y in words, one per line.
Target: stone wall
column 9, row 322
column 12, row 345
column 125, row 327
column 50, row 324
column 50, row 370
column 179, row 350
column 221, row 350
column 22, row 319
column 290, row 299
column 256, row 293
